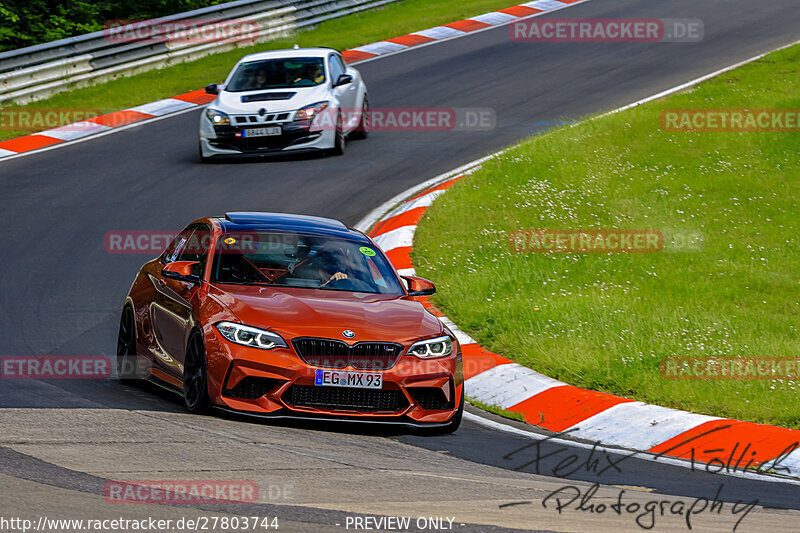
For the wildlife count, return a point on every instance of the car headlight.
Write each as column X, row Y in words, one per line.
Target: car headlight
column 430, row 348
column 250, row 336
column 310, row 112
column 218, row 118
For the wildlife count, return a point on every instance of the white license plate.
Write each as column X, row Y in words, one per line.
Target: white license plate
column 261, row 132
column 356, row 380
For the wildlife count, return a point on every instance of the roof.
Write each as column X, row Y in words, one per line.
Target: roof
column 289, row 52
column 258, row 221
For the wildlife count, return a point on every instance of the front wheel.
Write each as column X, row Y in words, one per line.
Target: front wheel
column 127, row 362
column 195, row 376
column 362, row 131
column 338, row 143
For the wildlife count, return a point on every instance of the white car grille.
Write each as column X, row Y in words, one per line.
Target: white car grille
column 246, row 120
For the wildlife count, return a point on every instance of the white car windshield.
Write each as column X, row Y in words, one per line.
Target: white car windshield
column 277, row 74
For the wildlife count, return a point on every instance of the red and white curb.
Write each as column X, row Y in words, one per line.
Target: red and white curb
column 105, row 123
column 456, row 29
column 721, row 444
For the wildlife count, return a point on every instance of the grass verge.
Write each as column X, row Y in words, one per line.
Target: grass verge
column 505, row 413
column 606, row 321
column 351, row 31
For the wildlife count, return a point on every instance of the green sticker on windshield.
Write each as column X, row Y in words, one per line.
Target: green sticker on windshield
column 369, row 252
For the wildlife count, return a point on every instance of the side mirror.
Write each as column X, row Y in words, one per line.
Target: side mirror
column 344, row 79
column 181, row 271
column 212, row 89
column 419, row 286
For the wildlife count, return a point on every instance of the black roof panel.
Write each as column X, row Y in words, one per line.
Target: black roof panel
column 252, row 220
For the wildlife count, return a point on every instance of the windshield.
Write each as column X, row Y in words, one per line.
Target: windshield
column 277, row 74
column 305, row 261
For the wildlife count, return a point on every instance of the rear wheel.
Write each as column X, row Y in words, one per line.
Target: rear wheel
column 126, row 348
column 362, row 131
column 195, row 377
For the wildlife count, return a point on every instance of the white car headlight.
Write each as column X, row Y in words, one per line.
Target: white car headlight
column 217, row 117
column 310, row 112
column 250, row 336
column 430, row 348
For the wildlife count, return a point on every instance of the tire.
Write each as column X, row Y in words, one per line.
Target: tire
column 127, row 360
column 362, row 131
column 338, row 143
column 195, row 376
column 453, row 423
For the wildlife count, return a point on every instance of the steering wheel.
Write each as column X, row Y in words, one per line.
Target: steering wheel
column 349, row 284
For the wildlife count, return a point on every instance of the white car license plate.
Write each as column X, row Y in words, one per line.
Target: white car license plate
column 357, row 380
column 261, row 132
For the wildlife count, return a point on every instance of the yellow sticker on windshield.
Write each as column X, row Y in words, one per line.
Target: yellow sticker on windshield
column 229, row 240
column 369, row 252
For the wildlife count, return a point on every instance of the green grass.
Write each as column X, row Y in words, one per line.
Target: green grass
column 513, row 415
column 605, row 321
column 351, row 31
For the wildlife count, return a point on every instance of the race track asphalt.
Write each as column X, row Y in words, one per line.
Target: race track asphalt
column 60, row 292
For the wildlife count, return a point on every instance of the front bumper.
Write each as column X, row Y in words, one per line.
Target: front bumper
column 227, row 140
column 310, row 417
column 278, row 383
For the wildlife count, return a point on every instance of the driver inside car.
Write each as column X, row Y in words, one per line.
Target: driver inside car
column 328, row 265
column 312, row 73
column 257, row 79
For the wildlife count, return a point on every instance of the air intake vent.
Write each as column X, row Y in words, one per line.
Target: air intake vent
column 265, row 97
column 251, row 388
column 430, row 398
column 345, row 399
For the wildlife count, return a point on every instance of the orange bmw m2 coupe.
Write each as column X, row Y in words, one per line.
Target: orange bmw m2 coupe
column 280, row 315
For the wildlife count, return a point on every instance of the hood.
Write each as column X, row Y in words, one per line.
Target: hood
column 294, row 312
column 232, row 103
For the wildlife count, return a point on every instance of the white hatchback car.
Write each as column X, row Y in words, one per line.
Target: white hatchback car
column 285, row 101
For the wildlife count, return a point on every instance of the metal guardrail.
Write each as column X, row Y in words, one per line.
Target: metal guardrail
column 35, row 72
